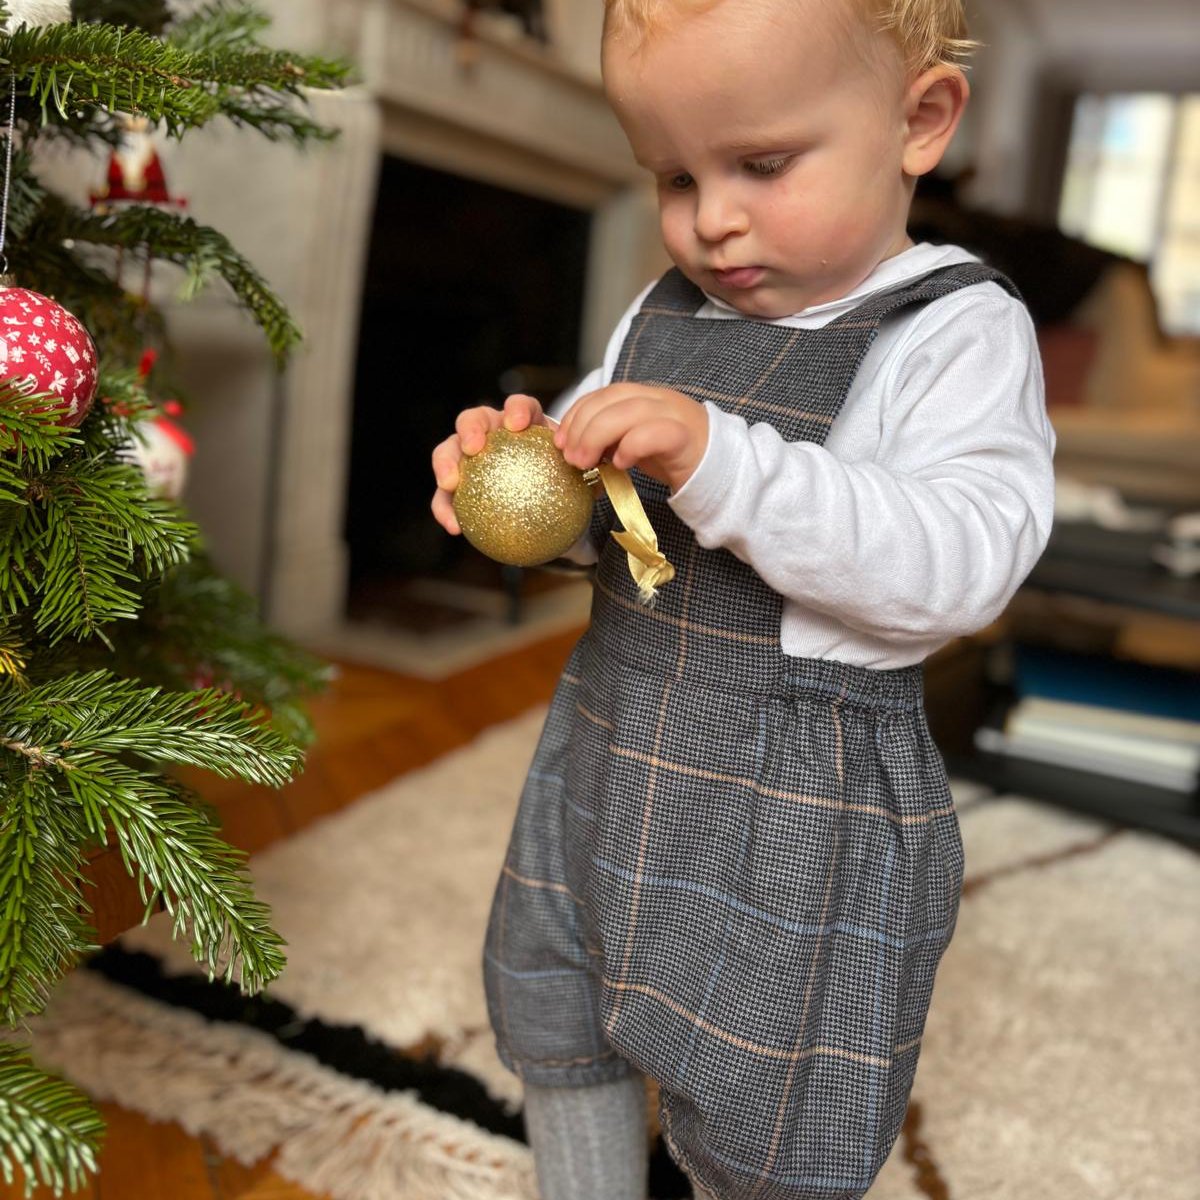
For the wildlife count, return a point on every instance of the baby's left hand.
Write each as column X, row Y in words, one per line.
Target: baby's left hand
column 661, row 432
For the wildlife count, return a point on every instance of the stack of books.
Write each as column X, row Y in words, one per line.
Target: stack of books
column 1120, row 720
column 1159, row 752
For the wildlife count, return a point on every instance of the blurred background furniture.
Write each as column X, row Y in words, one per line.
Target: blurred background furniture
column 1123, row 396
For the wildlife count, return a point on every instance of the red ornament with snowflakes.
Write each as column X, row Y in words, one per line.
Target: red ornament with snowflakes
column 47, row 349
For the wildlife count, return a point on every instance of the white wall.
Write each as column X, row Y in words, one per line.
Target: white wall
column 1004, row 78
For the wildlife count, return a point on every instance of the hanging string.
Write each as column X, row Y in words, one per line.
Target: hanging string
column 8, row 150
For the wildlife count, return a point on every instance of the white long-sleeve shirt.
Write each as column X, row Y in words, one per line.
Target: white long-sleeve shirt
column 930, row 500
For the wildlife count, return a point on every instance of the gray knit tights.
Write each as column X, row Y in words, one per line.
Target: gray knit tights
column 589, row 1143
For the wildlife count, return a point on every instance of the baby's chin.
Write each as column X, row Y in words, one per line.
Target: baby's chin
column 763, row 303
column 766, row 301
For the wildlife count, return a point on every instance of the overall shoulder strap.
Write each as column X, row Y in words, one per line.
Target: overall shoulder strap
column 673, row 295
column 931, row 286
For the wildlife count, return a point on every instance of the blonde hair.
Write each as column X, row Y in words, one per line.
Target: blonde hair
column 929, row 33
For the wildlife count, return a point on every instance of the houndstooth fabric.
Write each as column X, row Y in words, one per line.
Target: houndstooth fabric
column 731, row 869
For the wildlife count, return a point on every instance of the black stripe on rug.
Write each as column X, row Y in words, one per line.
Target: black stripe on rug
column 346, row 1049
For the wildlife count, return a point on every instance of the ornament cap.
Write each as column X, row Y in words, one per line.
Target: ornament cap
column 7, row 281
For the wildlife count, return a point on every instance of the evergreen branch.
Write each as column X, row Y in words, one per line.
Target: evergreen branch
column 157, row 529
column 198, row 627
column 202, row 251
column 48, row 1129
column 14, row 654
column 198, row 623
column 126, row 70
column 259, row 68
column 80, row 582
column 42, row 932
column 84, row 550
column 215, row 28
column 97, row 519
column 76, row 740
column 20, row 539
column 25, row 194
column 31, row 436
column 121, row 406
column 275, row 118
column 106, row 310
column 102, row 714
column 76, row 538
column 176, row 853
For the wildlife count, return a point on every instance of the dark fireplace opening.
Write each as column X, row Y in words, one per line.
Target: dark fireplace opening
column 472, row 292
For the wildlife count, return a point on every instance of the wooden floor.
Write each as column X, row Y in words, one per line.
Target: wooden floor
column 372, row 725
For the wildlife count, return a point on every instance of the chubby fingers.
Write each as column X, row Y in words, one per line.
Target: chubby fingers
column 443, row 511
column 597, row 424
column 472, row 426
column 579, row 436
column 446, row 457
column 659, row 430
column 521, row 411
column 471, row 429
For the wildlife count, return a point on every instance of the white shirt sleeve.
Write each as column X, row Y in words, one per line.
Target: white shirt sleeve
column 932, row 535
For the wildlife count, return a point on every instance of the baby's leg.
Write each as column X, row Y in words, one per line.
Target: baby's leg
column 589, row 1142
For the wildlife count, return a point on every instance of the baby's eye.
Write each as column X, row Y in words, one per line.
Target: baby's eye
column 680, row 182
column 767, row 166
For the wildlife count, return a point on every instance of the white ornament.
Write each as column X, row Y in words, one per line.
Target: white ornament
column 162, row 450
column 37, row 12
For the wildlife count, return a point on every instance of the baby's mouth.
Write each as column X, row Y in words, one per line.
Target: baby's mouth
column 739, row 278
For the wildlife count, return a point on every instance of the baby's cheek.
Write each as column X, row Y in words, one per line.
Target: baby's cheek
column 677, row 233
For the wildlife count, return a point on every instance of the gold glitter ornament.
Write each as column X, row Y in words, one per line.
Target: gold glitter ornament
column 519, row 501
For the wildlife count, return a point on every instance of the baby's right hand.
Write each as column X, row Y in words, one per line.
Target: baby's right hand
column 470, row 432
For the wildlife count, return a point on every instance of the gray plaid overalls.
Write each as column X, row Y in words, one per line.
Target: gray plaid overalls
column 734, row 869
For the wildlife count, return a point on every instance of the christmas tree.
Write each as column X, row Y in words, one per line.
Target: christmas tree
column 111, row 617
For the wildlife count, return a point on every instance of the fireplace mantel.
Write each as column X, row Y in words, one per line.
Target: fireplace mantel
column 508, row 110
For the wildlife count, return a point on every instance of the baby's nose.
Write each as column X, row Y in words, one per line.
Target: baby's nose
column 719, row 215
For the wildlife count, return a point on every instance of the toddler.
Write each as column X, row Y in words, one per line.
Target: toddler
column 736, row 863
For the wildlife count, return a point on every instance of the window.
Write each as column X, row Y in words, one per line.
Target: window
column 1132, row 185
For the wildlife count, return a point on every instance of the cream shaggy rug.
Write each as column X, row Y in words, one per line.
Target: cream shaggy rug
column 1061, row 1058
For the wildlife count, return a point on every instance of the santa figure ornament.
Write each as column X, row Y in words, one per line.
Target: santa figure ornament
column 37, row 12
column 135, row 171
column 46, row 349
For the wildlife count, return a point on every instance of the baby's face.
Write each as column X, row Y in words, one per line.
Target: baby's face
column 776, row 131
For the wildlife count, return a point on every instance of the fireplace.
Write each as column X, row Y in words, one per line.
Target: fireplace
column 471, row 290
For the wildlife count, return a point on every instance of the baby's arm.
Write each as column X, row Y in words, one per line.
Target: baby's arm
column 931, row 537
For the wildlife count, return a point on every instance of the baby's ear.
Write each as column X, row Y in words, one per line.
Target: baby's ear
column 933, row 107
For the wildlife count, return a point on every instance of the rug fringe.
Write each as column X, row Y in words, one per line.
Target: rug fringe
column 253, row 1097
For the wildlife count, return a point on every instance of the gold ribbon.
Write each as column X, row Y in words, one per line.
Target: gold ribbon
column 647, row 563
